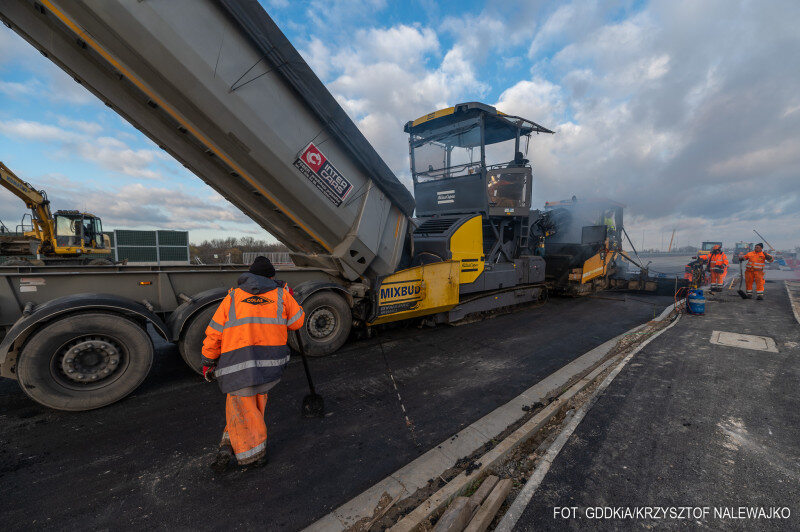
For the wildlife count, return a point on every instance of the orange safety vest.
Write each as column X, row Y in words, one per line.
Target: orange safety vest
column 718, row 260
column 755, row 260
column 246, row 338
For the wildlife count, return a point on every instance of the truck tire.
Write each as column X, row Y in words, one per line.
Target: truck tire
column 18, row 262
column 191, row 343
column 327, row 324
column 84, row 361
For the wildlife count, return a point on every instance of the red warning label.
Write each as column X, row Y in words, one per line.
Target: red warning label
column 319, row 170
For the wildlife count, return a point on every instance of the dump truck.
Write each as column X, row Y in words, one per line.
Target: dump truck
column 220, row 88
column 68, row 236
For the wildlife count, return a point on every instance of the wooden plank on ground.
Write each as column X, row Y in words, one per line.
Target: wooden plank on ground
column 483, row 491
column 456, row 517
column 489, row 508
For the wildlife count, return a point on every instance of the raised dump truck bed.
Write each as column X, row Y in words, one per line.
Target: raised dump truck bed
column 218, row 86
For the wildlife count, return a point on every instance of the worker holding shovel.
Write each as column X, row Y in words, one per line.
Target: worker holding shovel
column 246, row 350
column 718, row 266
column 755, row 270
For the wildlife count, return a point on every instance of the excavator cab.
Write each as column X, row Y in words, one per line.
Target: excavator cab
column 81, row 231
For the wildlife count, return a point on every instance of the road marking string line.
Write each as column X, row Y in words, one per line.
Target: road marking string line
column 409, row 424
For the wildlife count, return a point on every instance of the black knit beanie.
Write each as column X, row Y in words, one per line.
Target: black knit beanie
column 262, row 266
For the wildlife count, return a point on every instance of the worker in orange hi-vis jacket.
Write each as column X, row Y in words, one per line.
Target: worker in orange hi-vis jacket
column 718, row 266
column 245, row 351
column 755, row 270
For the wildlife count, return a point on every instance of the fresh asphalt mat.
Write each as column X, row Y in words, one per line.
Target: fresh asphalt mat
column 143, row 461
column 690, row 424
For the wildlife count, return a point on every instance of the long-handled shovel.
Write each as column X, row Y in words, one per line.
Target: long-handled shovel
column 313, row 404
column 741, row 292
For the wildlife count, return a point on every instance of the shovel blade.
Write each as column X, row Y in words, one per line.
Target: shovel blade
column 313, row 406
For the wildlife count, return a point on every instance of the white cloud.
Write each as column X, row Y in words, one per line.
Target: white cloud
column 16, row 89
column 401, row 44
column 90, row 128
column 48, row 81
column 763, row 160
column 384, row 77
column 24, row 129
column 107, row 152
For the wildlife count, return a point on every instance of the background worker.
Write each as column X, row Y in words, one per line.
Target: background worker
column 608, row 221
column 718, row 266
column 755, row 269
column 245, row 351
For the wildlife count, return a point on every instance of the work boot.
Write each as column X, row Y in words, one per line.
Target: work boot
column 223, row 460
column 759, row 297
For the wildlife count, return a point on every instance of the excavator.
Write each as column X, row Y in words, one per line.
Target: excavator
column 66, row 237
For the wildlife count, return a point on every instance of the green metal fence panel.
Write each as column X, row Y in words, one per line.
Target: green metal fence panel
column 137, row 254
column 154, row 247
column 172, row 254
column 173, row 238
column 129, row 237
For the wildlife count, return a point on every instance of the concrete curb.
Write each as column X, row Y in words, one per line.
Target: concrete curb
column 415, row 475
column 794, row 302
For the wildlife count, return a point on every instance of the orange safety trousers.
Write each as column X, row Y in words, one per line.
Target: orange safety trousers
column 246, row 430
column 758, row 277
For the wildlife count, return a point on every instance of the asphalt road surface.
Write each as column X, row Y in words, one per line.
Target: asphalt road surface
column 689, row 424
column 143, row 461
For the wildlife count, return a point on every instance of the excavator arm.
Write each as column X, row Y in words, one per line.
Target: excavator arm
column 36, row 201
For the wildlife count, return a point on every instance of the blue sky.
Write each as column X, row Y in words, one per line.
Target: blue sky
column 685, row 111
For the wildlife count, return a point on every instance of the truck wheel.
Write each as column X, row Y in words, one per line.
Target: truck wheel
column 84, row 361
column 191, row 343
column 18, row 262
column 327, row 323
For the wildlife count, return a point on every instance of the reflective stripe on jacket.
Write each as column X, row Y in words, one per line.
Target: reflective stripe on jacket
column 755, row 260
column 246, row 338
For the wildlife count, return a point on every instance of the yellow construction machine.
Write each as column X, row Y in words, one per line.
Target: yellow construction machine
column 581, row 252
column 66, row 237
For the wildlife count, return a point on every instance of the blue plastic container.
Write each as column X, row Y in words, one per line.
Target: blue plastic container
column 695, row 302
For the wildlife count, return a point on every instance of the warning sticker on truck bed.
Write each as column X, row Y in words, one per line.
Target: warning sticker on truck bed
column 319, row 170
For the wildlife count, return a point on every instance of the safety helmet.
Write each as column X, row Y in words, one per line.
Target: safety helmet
column 716, row 247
